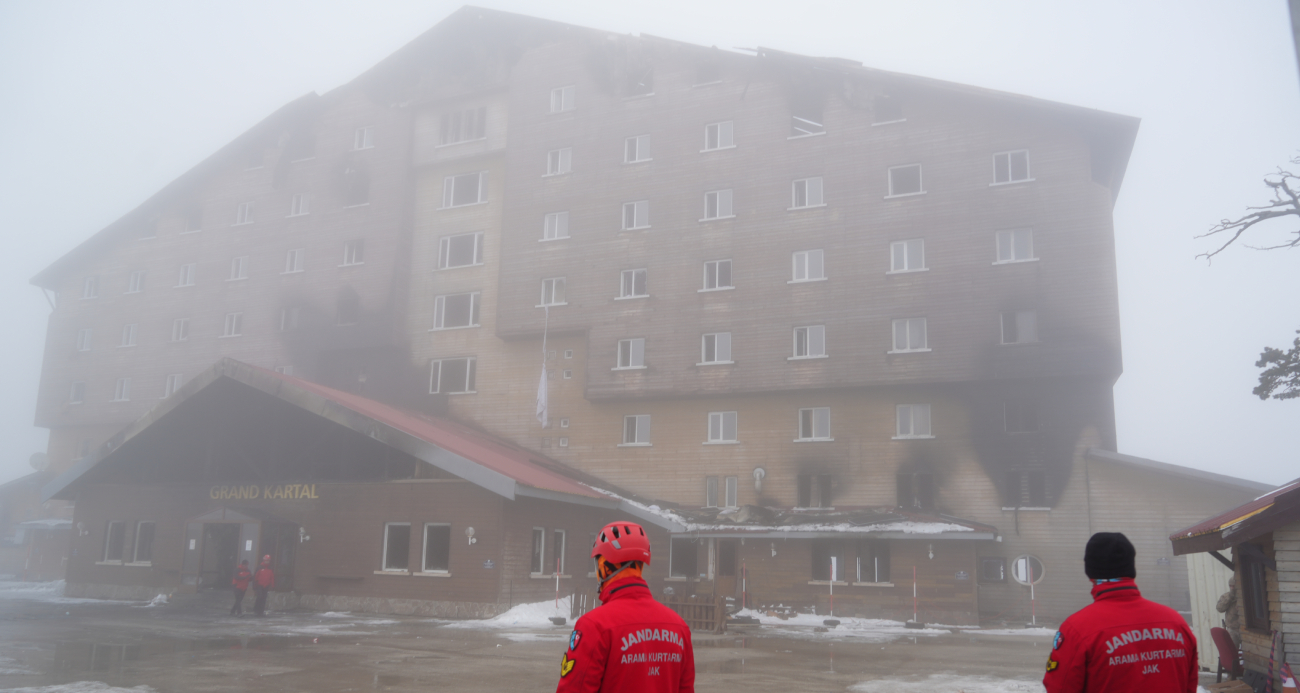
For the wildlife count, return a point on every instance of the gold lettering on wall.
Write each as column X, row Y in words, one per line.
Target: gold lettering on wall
column 254, row 492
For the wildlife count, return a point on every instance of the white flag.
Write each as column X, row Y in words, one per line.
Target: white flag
column 541, row 398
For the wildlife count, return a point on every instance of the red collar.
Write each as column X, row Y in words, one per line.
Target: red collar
column 1124, row 588
column 622, row 587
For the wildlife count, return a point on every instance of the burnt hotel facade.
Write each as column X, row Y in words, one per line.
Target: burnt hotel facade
column 808, row 321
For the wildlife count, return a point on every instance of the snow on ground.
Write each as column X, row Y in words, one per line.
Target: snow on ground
column 9, row 667
column 534, row 615
column 948, row 683
column 41, row 592
column 874, row 629
column 1016, row 631
column 81, row 687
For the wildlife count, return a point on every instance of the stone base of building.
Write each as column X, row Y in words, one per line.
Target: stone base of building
column 128, row 593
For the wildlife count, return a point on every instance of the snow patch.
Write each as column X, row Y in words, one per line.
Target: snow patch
column 41, row 592
column 870, row 629
column 1016, row 631
column 160, row 600
column 948, row 683
column 534, row 615
column 82, row 687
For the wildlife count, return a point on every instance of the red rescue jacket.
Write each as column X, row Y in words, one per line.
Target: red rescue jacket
column 242, row 576
column 264, row 577
column 1122, row 643
column 629, row 643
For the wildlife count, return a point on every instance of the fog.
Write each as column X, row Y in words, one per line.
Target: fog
column 103, row 104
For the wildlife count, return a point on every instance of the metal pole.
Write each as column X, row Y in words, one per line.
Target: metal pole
column 914, row 595
column 1033, row 604
column 832, row 584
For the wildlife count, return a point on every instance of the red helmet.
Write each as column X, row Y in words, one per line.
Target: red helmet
column 620, row 542
column 266, row 558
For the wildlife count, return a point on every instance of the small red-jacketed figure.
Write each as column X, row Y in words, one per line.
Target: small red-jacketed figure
column 1121, row 643
column 630, row 642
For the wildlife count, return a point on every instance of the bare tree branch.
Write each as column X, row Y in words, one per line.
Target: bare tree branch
column 1285, row 203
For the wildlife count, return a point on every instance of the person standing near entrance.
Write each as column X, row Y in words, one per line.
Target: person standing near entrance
column 263, row 581
column 1121, row 643
column 630, row 642
column 242, row 577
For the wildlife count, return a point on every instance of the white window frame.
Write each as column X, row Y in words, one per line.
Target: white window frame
column 90, row 287
column 84, row 336
column 471, row 377
column 627, row 283
column 803, row 261
column 641, row 145
column 818, row 418
column 553, row 288
column 721, row 203
column 1010, row 243
column 562, row 98
column 354, row 253
column 293, row 260
column 128, row 335
column 640, row 215
column 298, row 205
column 77, row 393
column 135, row 283
column 238, row 268
column 710, row 491
column 902, row 253
column 290, row 318
column 920, row 181
column 449, row 190
column 559, row 543
column 440, row 310
column 908, row 330
column 187, row 275
column 1023, row 318
column 244, row 214
column 180, row 329
column 559, row 162
column 721, row 135
column 913, row 422
column 444, row 250
column 731, row 494
column 720, row 343
column 108, row 539
column 640, row 430
column 424, row 550
column 719, row 423
column 538, row 552
column 234, row 325
column 630, row 354
column 813, row 192
column 1011, row 179
column 717, row 274
column 555, row 226
column 384, row 559
column 171, row 384
column 135, row 544
column 364, row 138
column 808, row 336
column 466, row 122
column 122, row 390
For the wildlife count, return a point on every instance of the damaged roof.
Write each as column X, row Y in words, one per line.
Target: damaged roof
column 1274, row 509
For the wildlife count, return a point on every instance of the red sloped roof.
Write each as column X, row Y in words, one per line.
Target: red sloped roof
column 1238, row 514
column 478, row 447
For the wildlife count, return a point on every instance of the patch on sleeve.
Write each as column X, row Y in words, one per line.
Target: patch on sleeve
column 566, row 665
column 1051, row 665
column 1056, row 641
column 574, row 638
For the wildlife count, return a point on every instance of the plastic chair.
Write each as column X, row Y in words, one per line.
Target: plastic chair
column 1229, row 662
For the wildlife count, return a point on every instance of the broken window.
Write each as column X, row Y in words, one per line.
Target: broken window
column 114, row 542
column 455, row 310
column 873, row 561
column 464, row 126
column 886, row 109
column 710, row 491
column 814, row 490
column 806, row 117
column 825, row 554
column 993, row 569
column 640, row 80
column 397, row 546
column 453, row 376
column 437, row 548
column 460, row 251
column 916, row 491
column 1019, row 327
column 143, row 543
column 682, row 558
column 464, row 189
column 301, row 146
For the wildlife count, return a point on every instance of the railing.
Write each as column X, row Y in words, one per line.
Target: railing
column 703, row 614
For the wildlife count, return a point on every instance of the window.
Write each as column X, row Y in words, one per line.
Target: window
column 244, row 213
column 916, row 490
column 682, row 556
column 636, row 429
column 553, row 292
column 562, row 99
column 559, row 161
column 993, row 569
column 77, row 395
column 632, row 284
column 718, row 136
column 828, row 559
column 354, row 253
column 171, row 385
column 114, row 542
column 464, row 126
column 1020, row 416
column 128, row 336
column 122, row 391
column 814, row 490
column 539, row 551
column 710, row 491
column 453, row 376
column 815, row 423
column 465, row 189
column 640, row 80
column 290, row 318
column 143, row 552
column 1254, row 586
column 1020, row 327
column 239, row 268
column 1011, row 167
column 437, row 548
column 907, row 256
column 180, row 329
column 809, row 342
column 1015, row 246
column 873, row 561
column 462, row 250
column 186, row 277
column 1027, row 570
column 83, row 340
column 364, row 138
column 909, row 335
column 913, row 421
column 631, row 353
column 806, row 192
column 717, row 205
column 715, row 348
column 722, row 427
column 568, row 353
column 455, row 310
column 555, row 226
column 135, row 284
column 808, row 266
column 90, row 287
column 298, row 205
column 905, row 180
column 1026, row 488
column 347, row 309
column 284, row 370
column 568, row 375
column 806, row 119
column 397, row 546
column 234, row 325
column 732, row 488
column 717, row 275
column 636, row 215
column 886, row 109
column 636, row 149
column 293, row 260
column 557, row 551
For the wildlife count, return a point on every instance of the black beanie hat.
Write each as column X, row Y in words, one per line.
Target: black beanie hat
column 1109, row 555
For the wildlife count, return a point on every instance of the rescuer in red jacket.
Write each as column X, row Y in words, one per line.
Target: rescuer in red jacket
column 240, row 582
column 1120, row 643
column 263, row 581
column 630, row 642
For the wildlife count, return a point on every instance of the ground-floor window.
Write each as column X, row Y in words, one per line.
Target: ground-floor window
column 682, row 559
column 727, row 557
column 557, row 555
column 397, row 546
column 826, row 552
column 1254, row 586
column 873, row 561
column 114, row 542
column 437, row 548
column 993, row 569
column 143, row 543
column 539, row 550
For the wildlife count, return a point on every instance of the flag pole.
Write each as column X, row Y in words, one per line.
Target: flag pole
column 542, row 394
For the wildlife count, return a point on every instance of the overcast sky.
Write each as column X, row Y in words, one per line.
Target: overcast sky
column 101, row 104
